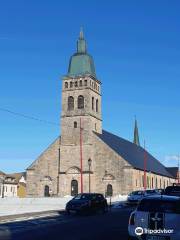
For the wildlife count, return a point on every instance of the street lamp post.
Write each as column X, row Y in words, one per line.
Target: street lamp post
column 89, row 164
column 3, row 188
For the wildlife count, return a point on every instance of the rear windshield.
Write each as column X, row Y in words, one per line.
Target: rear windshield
column 85, row 197
column 159, row 205
column 137, row 193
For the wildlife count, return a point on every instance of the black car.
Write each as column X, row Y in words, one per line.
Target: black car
column 86, row 203
column 173, row 190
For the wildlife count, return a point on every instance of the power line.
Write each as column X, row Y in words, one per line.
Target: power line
column 35, row 118
column 27, row 116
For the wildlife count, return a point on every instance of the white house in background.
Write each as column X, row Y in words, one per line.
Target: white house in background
column 10, row 186
column 2, row 175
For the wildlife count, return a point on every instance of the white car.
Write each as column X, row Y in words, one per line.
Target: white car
column 156, row 218
column 136, row 196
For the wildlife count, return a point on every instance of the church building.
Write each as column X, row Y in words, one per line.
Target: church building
column 86, row 158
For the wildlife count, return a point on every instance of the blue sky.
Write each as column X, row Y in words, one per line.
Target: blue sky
column 136, row 49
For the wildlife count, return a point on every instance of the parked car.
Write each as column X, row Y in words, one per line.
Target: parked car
column 87, row 202
column 136, row 196
column 156, row 217
column 173, row 190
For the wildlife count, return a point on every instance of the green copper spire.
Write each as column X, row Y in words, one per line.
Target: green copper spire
column 136, row 134
column 81, row 43
column 81, row 63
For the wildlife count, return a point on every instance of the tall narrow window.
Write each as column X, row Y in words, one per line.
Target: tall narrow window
column 109, row 190
column 80, row 102
column 156, row 183
column 76, row 84
column 71, row 84
column 70, row 103
column 92, row 103
column 85, row 82
column 75, row 124
column 66, row 84
column 74, row 187
column 80, row 83
column 96, row 105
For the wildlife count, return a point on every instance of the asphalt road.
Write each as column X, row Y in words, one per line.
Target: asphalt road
column 111, row 226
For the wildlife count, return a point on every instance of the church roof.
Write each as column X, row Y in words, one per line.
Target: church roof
column 133, row 154
column 81, row 63
column 173, row 171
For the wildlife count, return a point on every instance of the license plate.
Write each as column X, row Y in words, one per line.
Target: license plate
column 155, row 238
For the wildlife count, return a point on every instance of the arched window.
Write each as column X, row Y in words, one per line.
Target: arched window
column 147, row 182
column 92, row 103
column 76, row 84
column 71, row 84
column 75, row 124
column 85, row 82
column 80, row 83
column 74, row 187
column 80, row 102
column 70, row 103
column 96, row 105
column 66, row 84
column 46, row 191
column 156, row 183
column 109, row 191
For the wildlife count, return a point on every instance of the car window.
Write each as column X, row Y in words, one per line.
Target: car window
column 82, row 197
column 150, row 191
column 137, row 193
column 159, row 205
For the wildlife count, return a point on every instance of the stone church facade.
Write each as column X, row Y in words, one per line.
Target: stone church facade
column 85, row 157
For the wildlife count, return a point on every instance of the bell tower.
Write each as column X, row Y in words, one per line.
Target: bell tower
column 81, row 97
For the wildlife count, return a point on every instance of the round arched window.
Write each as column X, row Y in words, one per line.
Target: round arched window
column 80, row 102
column 70, row 103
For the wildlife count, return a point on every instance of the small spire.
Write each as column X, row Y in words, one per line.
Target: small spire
column 81, row 43
column 81, row 34
column 136, row 134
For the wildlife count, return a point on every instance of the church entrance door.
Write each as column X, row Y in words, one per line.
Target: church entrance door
column 46, row 191
column 109, row 191
column 74, row 187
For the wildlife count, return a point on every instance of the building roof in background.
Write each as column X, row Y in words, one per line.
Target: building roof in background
column 2, row 173
column 133, row 154
column 173, row 171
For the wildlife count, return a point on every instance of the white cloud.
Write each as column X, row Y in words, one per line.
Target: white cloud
column 171, row 160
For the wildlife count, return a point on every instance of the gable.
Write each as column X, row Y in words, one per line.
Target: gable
column 45, row 153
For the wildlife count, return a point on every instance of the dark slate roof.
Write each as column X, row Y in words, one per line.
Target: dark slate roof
column 133, row 154
column 173, row 171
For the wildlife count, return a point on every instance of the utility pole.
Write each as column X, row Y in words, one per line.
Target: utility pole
column 81, row 156
column 58, row 169
column 145, row 165
column 178, row 170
